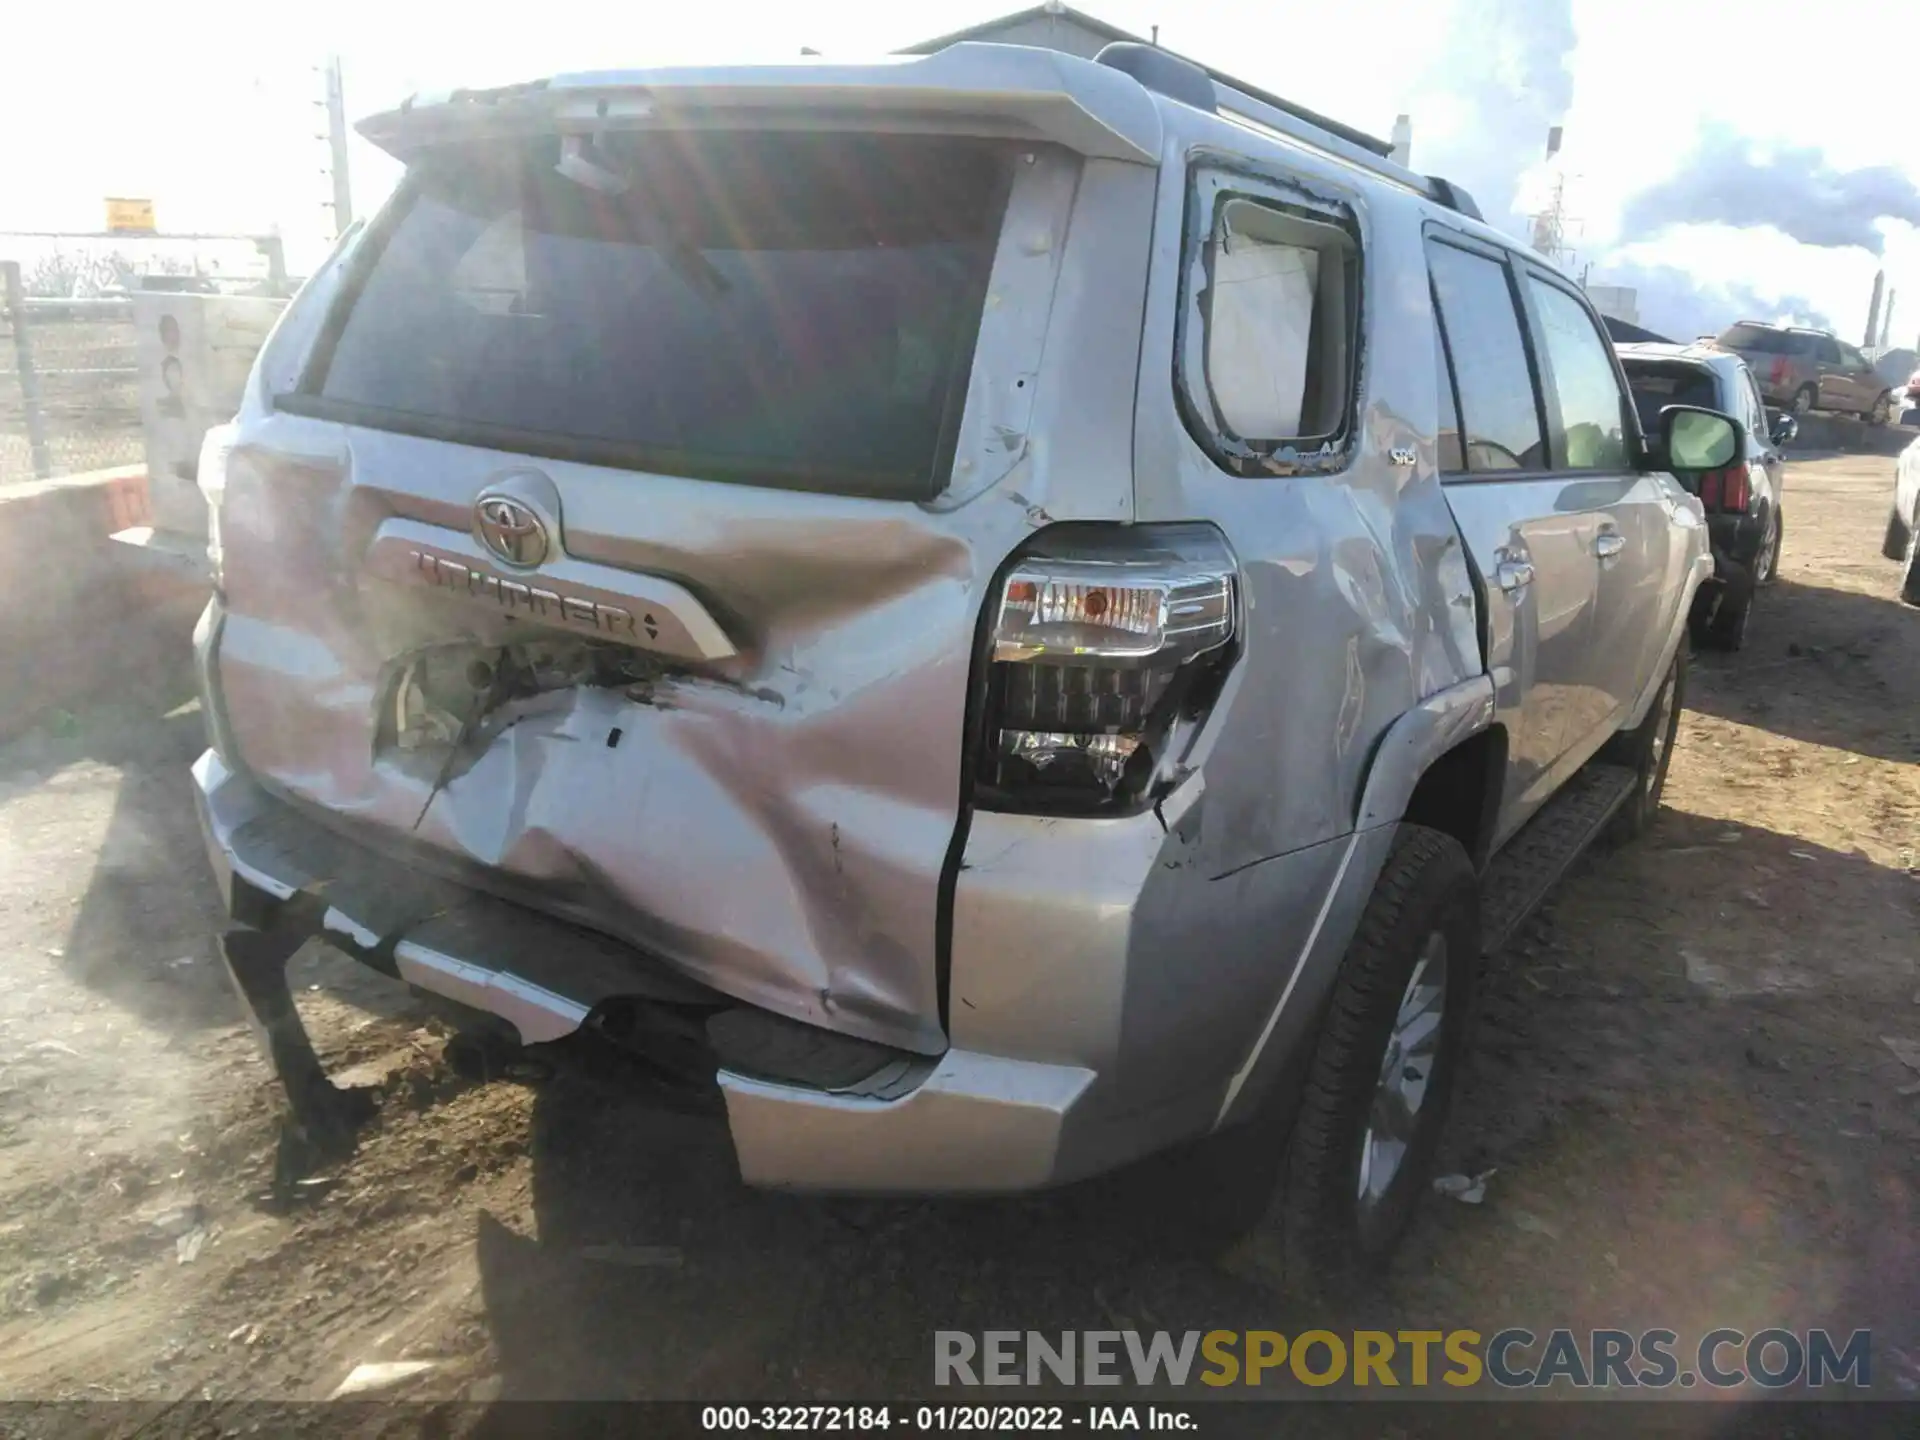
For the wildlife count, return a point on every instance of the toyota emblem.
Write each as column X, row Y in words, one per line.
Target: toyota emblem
column 511, row 529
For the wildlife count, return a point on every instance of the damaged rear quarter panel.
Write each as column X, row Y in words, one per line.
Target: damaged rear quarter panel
column 1357, row 604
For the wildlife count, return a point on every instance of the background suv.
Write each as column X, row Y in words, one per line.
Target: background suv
column 1802, row 370
column 1742, row 500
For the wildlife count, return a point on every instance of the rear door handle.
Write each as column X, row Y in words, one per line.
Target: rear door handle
column 1514, row 575
column 1609, row 543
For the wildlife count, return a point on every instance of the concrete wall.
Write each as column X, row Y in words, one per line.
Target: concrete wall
column 1841, row 432
column 75, row 614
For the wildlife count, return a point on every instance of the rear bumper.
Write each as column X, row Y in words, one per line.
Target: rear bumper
column 964, row 1122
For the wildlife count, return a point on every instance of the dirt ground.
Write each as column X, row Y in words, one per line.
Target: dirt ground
column 1681, row 1080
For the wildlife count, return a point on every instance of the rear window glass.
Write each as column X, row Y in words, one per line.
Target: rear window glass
column 785, row 309
column 1656, row 386
column 1765, row 338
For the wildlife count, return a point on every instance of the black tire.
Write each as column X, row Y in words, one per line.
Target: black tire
column 1335, row 1241
column 1894, row 546
column 1648, row 749
column 1882, row 410
column 1725, row 626
column 1910, row 584
column 1802, row 403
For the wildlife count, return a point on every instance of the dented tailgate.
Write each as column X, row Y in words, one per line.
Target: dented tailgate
column 645, row 589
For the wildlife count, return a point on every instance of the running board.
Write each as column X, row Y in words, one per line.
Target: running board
column 1531, row 863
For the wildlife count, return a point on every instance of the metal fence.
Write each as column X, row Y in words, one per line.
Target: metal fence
column 69, row 364
column 69, row 385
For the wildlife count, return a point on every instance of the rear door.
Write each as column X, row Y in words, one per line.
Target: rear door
column 1526, row 531
column 1834, row 383
column 1623, row 515
column 1863, row 381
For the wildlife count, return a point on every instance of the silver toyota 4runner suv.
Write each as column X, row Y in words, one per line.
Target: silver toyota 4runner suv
column 1002, row 613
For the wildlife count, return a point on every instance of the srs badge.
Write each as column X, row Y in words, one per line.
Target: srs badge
column 511, row 529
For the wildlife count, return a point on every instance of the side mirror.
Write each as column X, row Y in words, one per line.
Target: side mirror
column 1692, row 438
column 1782, row 428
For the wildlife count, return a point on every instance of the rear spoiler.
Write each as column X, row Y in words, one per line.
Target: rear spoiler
column 1016, row 91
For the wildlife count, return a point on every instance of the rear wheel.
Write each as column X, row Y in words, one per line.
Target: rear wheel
column 1894, row 546
column 1882, row 410
column 1648, row 748
column 1767, row 565
column 1384, row 1069
column 1724, row 626
column 1803, row 399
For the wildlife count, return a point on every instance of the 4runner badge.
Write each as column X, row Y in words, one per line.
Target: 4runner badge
column 510, row 529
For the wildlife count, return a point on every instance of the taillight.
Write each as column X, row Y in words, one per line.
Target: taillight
column 216, row 447
column 1779, row 370
column 1728, row 490
column 1108, row 645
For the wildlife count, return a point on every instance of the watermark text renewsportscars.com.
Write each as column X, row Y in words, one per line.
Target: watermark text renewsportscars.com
column 1508, row 1359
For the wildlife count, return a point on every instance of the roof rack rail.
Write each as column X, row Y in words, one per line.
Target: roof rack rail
column 1192, row 83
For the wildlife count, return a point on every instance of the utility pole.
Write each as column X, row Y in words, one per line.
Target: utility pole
column 1886, row 319
column 1551, row 224
column 336, row 103
column 1873, row 310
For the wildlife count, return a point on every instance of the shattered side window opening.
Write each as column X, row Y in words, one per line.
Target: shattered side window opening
column 776, row 308
column 1269, row 382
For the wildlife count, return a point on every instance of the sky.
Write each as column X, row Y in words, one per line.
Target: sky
column 1726, row 161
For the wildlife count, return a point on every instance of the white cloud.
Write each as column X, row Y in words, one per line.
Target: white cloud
column 212, row 115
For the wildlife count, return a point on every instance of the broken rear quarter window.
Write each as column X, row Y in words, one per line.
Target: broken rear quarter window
column 1273, row 311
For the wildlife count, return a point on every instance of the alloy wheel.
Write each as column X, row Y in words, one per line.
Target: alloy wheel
column 1406, row 1073
column 1662, row 726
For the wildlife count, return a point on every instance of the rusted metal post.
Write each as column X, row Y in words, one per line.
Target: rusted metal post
column 16, row 297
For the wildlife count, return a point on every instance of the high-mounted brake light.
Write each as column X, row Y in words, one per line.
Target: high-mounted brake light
column 1104, row 642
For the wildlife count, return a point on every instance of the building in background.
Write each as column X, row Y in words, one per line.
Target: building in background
column 1055, row 26
column 1616, row 302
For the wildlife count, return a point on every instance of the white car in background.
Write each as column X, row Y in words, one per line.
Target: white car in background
column 1903, row 525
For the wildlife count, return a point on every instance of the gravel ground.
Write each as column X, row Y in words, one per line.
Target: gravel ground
column 1681, row 1080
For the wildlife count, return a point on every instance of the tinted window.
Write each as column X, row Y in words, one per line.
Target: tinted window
column 1451, row 456
column 1497, row 409
column 1825, row 349
column 1756, row 404
column 778, row 308
column 1658, row 384
column 1853, row 358
column 1583, row 383
column 1768, row 339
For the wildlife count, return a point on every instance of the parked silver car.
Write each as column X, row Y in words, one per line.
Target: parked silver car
column 1003, row 613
